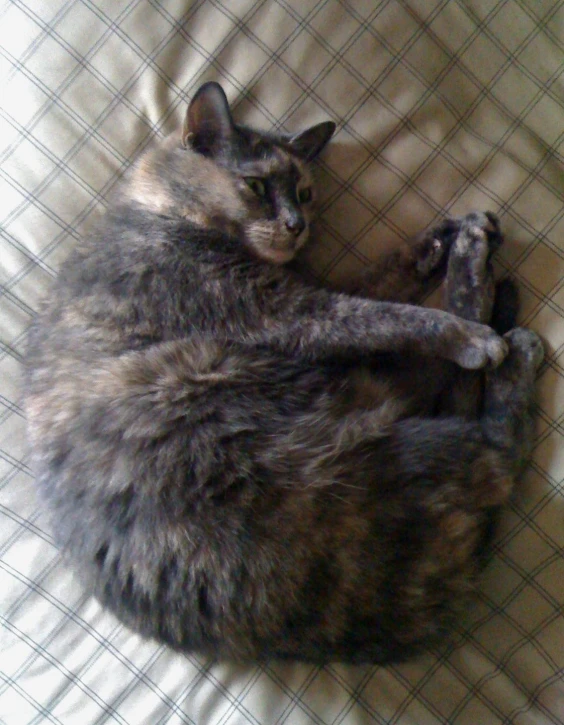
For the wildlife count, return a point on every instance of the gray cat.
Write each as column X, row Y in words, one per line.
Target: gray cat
column 247, row 466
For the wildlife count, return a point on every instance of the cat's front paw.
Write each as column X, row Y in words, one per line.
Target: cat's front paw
column 481, row 347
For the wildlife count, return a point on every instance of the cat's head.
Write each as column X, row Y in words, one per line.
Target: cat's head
column 271, row 172
column 234, row 177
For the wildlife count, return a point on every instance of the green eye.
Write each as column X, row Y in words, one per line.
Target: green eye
column 304, row 195
column 256, row 185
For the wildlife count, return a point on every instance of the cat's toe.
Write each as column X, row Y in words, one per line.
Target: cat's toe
column 527, row 345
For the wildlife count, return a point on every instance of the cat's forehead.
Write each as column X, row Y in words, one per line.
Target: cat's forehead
column 263, row 157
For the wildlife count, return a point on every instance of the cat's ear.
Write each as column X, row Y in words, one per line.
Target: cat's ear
column 308, row 144
column 208, row 124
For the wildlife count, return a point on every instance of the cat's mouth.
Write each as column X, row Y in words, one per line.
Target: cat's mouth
column 272, row 246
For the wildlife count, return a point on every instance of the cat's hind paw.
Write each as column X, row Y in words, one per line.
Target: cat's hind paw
column 526, row 345
column 480, row 235
column 434, row 247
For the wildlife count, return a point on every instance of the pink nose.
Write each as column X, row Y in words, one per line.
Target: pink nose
column 295, row 226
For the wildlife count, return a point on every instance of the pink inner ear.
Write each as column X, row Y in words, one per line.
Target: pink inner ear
column 208, row 113
column 312, row 141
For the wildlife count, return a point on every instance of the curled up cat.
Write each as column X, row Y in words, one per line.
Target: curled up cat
column 242, row 464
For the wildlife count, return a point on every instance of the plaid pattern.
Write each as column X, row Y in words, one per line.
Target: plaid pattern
column 443, row 106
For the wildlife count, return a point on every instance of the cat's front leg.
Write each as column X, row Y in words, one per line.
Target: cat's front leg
column 323, row 324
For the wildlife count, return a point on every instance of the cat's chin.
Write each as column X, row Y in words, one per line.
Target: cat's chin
column 275, row 256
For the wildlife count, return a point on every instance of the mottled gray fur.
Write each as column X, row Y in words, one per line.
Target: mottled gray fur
column 244, row 465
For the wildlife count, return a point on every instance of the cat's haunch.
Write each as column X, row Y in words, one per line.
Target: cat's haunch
column 241, row 464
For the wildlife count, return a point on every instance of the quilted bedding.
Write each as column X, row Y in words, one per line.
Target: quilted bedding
column 442, row 106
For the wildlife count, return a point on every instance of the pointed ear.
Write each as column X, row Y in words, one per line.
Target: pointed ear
column 310, row 143
column 208, row 124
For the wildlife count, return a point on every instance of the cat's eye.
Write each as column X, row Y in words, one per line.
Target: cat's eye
column 256, row 185
column 304, row 195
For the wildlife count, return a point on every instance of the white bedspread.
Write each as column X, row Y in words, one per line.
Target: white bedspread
column 443, row 106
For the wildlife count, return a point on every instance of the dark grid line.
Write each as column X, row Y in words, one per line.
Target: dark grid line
column 101, row 195
column 12, row 473
column 501, row 667
column 75, row 681
column 557, row 40
column 14, row 463
column 238, row 700
column 10, row 240
column 9, row 410
column 512, row 55
column 29, row 699
column 27, row 524
column 46, row 181
column 39, row 39
column 435, row 84
column 295, row 695
column 235, row 701
column 32, row 588
column 534, row 697
column 53, row 96
column 104, row 643
column 15, row 301
column 78, row 674
column 239, row 26
column 527, row 520
column 355, row 697
column 411, row 183
column 552, row 223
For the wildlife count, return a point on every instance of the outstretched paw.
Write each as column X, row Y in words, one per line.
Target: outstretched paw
column 480, row 347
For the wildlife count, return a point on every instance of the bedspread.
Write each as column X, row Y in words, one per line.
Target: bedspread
column 442, row 106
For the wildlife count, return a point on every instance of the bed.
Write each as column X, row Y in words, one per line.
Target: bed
column 442, row 106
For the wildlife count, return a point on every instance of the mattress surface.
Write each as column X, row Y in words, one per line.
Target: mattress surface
column 442, row 107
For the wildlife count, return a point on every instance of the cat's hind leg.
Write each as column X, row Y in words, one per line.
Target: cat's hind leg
column 471, row 293
column 502, row 399
column 405, row 274
column 470, row 287
column 507, row 417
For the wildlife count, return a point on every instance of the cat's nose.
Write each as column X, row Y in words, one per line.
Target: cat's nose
column 295, row 225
